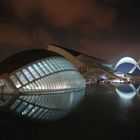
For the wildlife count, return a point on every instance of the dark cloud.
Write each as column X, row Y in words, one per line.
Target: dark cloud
column 23, row 9
column 85, row 25
column 66, row 12
column 14, row 34
column 15, row 38
column 110, row 50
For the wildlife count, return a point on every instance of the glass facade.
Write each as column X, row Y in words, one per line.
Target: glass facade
column 48, row 88
column 51, row 75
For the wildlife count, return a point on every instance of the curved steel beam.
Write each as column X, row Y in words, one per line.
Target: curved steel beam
column 53, row 48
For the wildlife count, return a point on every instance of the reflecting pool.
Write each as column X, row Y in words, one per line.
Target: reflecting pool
column 42, row 107
column 104, row 112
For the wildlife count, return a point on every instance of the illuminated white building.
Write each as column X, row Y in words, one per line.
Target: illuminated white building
column 128, row 65
column 45, row 89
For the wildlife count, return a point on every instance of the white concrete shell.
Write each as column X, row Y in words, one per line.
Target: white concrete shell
column 126, row 60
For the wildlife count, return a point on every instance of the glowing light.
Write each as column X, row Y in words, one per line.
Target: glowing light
column 119, row 74
column 128, row 95
column 126, row 60
column 117, row 81
column 23, row 113
column 107, row 65
column 128, row 65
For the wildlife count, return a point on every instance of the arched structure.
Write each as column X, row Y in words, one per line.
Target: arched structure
column 66, row 55
column 90, row 67
column 45, row 89
column 128, row 65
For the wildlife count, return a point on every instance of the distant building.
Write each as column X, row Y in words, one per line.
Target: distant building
column 127, row 65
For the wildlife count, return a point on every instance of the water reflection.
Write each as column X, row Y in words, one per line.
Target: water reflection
column 49, row 106
column 53, row 106
column 126, row 100
column 127, row 91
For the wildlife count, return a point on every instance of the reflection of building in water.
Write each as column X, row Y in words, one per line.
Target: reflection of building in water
column 53, row 85
column 49, row 106
column 126, row 95
column 45, row 89
column 127, row 92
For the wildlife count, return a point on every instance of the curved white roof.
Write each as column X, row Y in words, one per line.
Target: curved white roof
column 126, row 60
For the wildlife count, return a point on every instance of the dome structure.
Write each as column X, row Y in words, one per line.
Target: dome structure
column 127, row 65
column 47, row 89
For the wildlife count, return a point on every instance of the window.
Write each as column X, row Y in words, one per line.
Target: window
column 21, row 106
column 39, row 70
column 35, row 74
column 22, row 78
column 28, row 75
column 27, row 109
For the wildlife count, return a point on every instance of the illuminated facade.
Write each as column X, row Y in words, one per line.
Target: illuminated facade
column 128, row 65
column 46, row 89
column 49, row 88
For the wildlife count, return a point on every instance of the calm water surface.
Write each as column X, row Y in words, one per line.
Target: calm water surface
column 103, row 114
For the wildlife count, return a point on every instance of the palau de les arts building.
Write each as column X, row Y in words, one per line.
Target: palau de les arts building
column 46, row 84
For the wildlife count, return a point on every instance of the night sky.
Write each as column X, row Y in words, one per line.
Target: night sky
column 107, row 29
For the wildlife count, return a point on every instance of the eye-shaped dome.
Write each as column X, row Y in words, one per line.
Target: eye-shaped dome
column 127, row 65
column 48, row 88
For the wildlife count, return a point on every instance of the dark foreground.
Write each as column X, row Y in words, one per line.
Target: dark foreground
column 100, row 116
